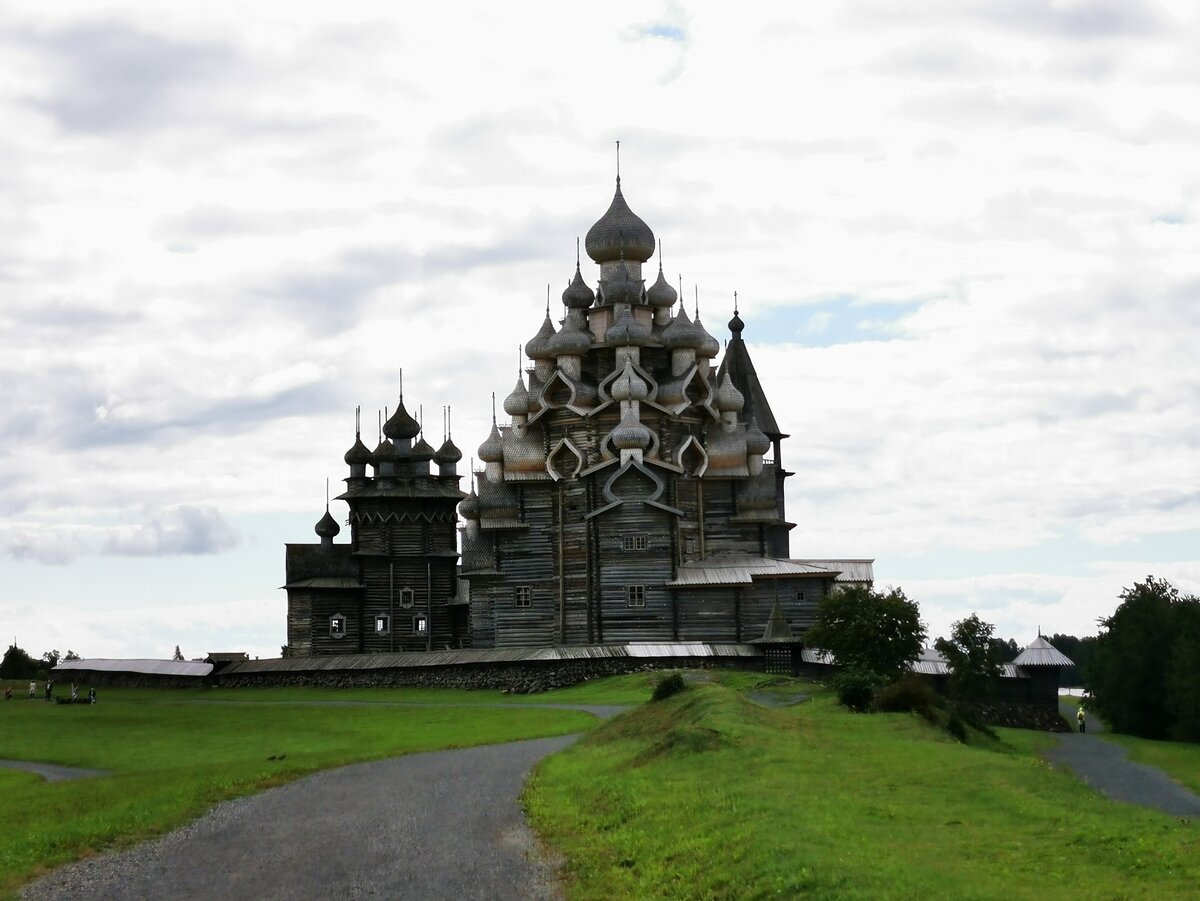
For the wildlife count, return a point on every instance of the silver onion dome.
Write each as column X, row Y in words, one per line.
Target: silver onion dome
column 681, row 333
column 629, row 385
column 661, row 294
column 327, row 526
column 578, row 295
column 447, row 453
column 492, row 449
column 536, row 348
column 469, row 508
column 626, row 330
column 729, row 399
column 401, row 425
column 631, row 436
column 517, row 403
column 709, row 346
column 570, row 341
column 619, row 231
column 359, row 453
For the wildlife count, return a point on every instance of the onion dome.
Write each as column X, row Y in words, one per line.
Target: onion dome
column 578, row 295
column 617, row 231
column 447, row 453
column 401, row 425
column 621, row 288
column 327, row 526
column 517, row 403
column 358, row 454
column 756, row 442
column 661, row 294
column 469, row 508
column 492, row 449
column 709, row 346
column 536, row 348
column 385, row 452
column 680, row 332
column 729, row 399
column 627, row 330
column 629, row 385
column 421, row 450
column 631, row 435
column 735, row 324
column 570, row 341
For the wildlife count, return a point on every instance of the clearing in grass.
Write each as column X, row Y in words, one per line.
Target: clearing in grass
column 708, row 795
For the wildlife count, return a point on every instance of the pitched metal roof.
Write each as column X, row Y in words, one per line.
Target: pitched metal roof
column 139, row 665
column 929, row 663
column 484, row 656
column 326, row 582
column 742, row 570
column 848, row 570
column 1041, row 653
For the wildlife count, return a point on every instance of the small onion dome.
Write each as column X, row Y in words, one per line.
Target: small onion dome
column 681, row 333
column 735, row 324
column 517, row 403
column 570, row 341
column 756, row 442
column 469, row 508
column 629, row 385
column 661, row 294
column 627, row 330
column 447, row 453
column 617, row 231
column 327, row 526
column 622, row 288
column 492, row 450
column 384, row 452
column 709, row 346
column 421, row 450
column 358, row 454
column 578, row 295
column 631, row 436
column 401, row 425
column 729, row 399
column 537, row 347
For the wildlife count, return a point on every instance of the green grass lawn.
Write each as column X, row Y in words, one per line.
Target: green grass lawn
column 706, row 795
column 173, row 754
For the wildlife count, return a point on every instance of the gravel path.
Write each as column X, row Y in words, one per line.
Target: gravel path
column 442, row 825
column 52, row 772
column 1105, row 767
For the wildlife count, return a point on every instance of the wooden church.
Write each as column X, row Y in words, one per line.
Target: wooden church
column 635, row 495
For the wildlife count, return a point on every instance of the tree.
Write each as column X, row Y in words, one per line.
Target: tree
column 17, row 664
column 1080, row 651
column 974, row 658
column 50, row 658
column 178, row 655
column 71, row 655
column 1007, row 648
column 873, row 636
column 1143, row 658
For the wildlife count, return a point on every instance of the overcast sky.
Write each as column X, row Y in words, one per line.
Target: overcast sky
column 963, row 234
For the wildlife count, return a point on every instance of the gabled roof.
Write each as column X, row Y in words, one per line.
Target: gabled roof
column 741, row 371
column 140, row 666
column 848, row 570
column 1041, row 653
column 778, row 631
column 741, row 570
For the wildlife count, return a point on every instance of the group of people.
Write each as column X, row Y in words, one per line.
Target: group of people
column 33, row 692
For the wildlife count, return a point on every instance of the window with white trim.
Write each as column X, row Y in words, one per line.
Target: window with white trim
column 635, row 595
column 337, row 626
column 420, row 624
column 407, row 597
column 635, row 542
column 383, row 624
column 523, row 596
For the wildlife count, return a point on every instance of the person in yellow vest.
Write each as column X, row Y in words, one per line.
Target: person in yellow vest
column 1081, row 718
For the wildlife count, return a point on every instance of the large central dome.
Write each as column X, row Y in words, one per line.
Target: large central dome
column 619, row 233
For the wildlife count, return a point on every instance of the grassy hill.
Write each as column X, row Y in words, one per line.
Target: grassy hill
column 709, row 795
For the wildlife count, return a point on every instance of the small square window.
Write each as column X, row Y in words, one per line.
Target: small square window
column 636, row 595
column 407, row 597
column 420, row 624
column 636, row 542
column 337, row 626
column 383, row 624
column 523, row 596
column 691, row 545
column 800, row 595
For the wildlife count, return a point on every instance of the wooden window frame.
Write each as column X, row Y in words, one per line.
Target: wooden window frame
column 635, row 596
column 635, row 541
column 383, row 624
column 408, row 598
column 523, row 597
column 334, row 631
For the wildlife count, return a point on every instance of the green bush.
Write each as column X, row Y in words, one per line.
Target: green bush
column 909, row 693
column 670, row 685
column 856, row 687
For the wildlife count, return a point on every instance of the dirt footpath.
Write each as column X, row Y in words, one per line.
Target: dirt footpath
column 442, row 825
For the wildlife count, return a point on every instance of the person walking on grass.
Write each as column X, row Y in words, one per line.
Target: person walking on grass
column 1081, row 718
column 32, row 690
